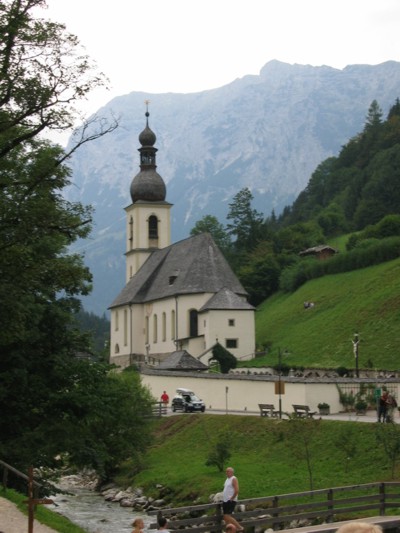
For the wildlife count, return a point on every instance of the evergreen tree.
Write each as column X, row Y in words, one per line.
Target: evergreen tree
column 210, row 224
column 225, row 359
column 246, row 223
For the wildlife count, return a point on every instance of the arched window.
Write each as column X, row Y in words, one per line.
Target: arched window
column 164, row 327
column 173, row 333
column 147, row 329
column 125, row 327
column 155, row 336
column 193, row 328
column 153, row 227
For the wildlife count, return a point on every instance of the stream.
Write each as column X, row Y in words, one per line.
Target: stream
column 90, row 511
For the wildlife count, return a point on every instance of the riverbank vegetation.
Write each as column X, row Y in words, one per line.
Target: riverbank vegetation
column 269, row 456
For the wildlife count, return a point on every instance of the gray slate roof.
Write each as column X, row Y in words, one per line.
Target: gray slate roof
column 197, row 265
column 181, row 360
column 226, row 299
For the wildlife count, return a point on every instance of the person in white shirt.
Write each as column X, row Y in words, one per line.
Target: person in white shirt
column 229, row 497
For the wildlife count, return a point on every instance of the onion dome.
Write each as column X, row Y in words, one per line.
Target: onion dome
column 147, row 137
column 148, row 185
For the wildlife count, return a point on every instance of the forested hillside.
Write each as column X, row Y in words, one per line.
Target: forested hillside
column 361, row 185
column 355, row 193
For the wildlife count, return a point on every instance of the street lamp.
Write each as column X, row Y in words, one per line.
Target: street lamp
column 280, row 382
column 355, row 350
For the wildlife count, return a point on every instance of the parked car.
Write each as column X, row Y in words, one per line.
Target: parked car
column 186, row 400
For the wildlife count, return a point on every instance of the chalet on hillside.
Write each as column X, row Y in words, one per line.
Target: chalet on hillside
column 322, row 251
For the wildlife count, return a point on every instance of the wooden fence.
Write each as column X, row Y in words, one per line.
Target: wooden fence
column 159, row 409
column 8, row 468
column 280, row 512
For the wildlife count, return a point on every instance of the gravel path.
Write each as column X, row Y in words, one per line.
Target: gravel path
column 13, row 521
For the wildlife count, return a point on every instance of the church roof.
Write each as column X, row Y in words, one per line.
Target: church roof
column 226, row 299
column 181, row 360
column 193, row 265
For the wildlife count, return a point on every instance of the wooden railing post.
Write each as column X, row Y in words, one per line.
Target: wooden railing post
column 5, row 477
column 382, row 499
column 329, row 518
column 218, row 514
column 275, row 505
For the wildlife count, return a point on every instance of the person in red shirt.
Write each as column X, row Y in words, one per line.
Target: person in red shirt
column 164, row 398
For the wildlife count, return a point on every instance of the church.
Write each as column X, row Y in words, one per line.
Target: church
column 181, row 297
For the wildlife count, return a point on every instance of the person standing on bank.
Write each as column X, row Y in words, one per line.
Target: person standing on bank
column 383, row 406
column 229, row 497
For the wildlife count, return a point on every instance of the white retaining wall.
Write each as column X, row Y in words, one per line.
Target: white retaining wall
column 244, row 393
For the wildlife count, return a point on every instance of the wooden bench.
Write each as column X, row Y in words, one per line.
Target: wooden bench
column 303, row 411
column 268, row 409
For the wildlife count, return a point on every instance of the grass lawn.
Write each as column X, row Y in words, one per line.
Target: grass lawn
column 268, row 456
column 364, row 301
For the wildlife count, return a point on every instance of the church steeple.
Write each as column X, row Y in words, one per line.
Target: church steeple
column 148, row 185
column 148, row 223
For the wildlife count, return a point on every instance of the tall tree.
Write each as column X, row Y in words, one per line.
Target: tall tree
column 43, row 74
column 51, row 404
column 210, row 224
column 374, row 116
column 246, row 223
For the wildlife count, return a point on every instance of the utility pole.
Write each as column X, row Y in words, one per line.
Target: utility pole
column 355, row 350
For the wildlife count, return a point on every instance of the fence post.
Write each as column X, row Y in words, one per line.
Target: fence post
column 329, row 517
column 275, row 514
column 5, row 477
column 218, row 515
column 382, row 499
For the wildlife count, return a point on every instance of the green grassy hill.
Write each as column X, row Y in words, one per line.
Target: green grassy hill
column 268, row 456
column 366, row 301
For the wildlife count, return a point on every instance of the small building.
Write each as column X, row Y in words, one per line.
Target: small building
column 182, row 361
column 322, row 251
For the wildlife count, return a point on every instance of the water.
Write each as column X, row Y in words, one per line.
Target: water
column 90, row 511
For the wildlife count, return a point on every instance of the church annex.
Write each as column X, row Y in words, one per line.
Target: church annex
column 181, row 296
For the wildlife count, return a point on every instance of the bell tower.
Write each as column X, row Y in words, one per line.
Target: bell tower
column 148, row 222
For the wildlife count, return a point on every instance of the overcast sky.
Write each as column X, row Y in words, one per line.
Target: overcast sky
column 159, row 46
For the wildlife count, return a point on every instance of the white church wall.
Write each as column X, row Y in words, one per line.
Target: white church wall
column 179, row 310
column 225, row 325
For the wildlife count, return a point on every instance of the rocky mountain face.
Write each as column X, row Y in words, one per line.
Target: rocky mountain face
column 267, row 132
